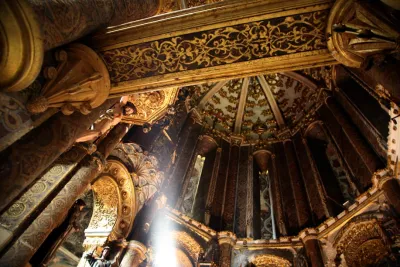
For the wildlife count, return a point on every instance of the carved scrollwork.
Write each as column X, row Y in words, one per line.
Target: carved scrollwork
column 226, row 45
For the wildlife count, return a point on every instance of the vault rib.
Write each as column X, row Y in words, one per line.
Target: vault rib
column 272, row 102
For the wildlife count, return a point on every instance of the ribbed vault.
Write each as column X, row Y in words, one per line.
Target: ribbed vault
column 264, row 107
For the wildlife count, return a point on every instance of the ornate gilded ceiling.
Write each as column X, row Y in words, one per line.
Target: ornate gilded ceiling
column 261, row 108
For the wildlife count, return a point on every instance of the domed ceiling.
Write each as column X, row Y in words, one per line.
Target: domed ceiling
column 262, row 108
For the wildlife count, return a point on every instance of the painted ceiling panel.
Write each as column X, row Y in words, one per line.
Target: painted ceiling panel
column 273, row 105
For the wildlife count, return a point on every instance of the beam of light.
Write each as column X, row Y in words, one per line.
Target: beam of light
column 165, row 247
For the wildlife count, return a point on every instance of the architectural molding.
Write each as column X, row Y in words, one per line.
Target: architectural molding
column 21, row 45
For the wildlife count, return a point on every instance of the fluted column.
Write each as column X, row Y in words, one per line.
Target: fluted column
column 134, row 255
column 26, row 159
column 30, row 27
column 346, row 134
column 311, row 244
column 226, row 241
column 30, row 240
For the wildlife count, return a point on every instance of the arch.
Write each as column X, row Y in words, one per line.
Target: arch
column 188, row 244
column 362, row 242
column 114, row 205
column 105, row 213
column 264, row 260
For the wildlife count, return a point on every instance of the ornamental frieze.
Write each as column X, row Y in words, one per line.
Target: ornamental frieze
column 211, row 48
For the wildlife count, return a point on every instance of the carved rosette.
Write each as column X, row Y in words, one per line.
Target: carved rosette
column 21, row 45
column 79, row 82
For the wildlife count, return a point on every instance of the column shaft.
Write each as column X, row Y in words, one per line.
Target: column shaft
column 65, row 21
column 360, row 158
column 21, row 212
column 392, row 192
column 301, row 203
column 277, row 197
column 226, row 241
column 314, row 188
column 134, row 255
column 26, row 159
column 31, row 239
column 213, row 185
column 313, row 252
column 230, row 189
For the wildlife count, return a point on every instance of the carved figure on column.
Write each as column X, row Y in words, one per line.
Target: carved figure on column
column 80, row 82
column 108, row 120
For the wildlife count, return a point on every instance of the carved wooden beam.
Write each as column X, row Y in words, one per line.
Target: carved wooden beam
column 215, row 42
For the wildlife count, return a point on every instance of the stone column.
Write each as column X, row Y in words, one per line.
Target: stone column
column 30, row 27
column 315, row 190
column 226, row 241
column 22, row 212
column 277, row 197
column 311, row 244
column 301, row 202
column 30, row 240
column 185, row 149
column 213, row 185
column 134, row 255
column 228, row 214
column 26, row 159
column 391, row 187
column 368, row 159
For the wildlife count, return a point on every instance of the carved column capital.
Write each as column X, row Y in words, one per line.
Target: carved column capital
column 80, row 81
column 357, row 30
column 227, row 237
column 308, row 234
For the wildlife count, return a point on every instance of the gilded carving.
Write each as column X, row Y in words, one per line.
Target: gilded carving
column 187, row 243
column 34, row 196
column 227, row 45
column 356, row 32
column 80, row 81
column 362, row 243
column 33, row 236
column 270, row 261
column 151, row 106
